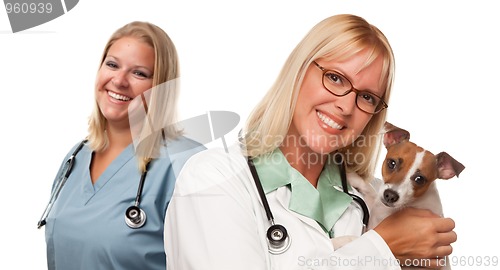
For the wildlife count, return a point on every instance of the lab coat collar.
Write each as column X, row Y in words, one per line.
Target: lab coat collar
column 325, row 204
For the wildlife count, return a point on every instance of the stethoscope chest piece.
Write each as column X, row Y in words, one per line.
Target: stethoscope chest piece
column 135, row 217
column 278, row 239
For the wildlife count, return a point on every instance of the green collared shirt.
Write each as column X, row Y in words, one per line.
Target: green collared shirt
column 325, row 204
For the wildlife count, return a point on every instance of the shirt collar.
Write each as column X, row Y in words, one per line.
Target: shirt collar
column 325, row 204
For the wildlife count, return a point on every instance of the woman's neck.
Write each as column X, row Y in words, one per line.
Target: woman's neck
column 307, row 162
column 119, row 138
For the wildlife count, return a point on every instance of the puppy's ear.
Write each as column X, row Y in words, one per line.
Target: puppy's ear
column 394, row 135
column 447, row 166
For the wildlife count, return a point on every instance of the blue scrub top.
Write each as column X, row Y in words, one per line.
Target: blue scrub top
column 86, row 228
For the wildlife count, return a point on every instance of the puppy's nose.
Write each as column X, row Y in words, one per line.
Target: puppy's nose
column 391, row 196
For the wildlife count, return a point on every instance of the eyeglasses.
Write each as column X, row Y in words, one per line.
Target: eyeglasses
column 338, row 85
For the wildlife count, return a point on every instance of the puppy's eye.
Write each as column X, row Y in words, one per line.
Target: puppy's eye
column 391, row 164
column 419, row 180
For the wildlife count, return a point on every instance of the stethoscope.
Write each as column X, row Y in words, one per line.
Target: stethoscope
column 277, row 236
column 135, row 217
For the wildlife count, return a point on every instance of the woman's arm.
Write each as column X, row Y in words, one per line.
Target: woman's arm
column 418, row 235
column 210, row 222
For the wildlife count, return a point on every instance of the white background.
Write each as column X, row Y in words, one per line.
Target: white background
column 446, row 92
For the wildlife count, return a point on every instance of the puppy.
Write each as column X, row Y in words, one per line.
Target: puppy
column 409, row 173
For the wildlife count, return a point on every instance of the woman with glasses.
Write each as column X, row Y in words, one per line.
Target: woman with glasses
column 276, row 199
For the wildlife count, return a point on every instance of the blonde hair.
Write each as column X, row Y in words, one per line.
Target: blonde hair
column 335, row 38
column 163, row 104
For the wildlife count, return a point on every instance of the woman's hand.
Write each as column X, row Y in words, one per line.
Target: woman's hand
column 418, row 236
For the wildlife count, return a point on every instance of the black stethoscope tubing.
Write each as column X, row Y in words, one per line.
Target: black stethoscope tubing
column 277, row 235
column 60, row 184
column 343, row 178
column 135, row 217
column 258, row 184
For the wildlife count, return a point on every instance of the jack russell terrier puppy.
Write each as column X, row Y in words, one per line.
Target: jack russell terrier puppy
column 408, row 174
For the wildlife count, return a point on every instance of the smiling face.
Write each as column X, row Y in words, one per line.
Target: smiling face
column 324, row 122
column 126, row 72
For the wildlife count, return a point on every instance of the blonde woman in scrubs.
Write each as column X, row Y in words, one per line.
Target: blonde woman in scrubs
column 86, row 227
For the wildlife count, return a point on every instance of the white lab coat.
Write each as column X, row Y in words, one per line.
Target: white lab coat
column 216, row 221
